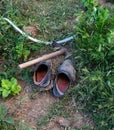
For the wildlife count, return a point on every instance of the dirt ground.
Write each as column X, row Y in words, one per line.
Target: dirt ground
column 30, row 107
column 22, row 108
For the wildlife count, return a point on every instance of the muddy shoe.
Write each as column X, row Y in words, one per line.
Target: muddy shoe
column 64, row 77
column 42, row 73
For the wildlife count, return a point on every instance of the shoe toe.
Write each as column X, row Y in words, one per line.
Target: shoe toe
column 55, row 91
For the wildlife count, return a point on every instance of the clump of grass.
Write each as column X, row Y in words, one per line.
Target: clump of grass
column 94, row 60
column 14, row 47
column 55, row 19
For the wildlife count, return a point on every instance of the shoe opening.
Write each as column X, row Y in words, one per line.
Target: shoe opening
column 41, row 72
column 63, row 82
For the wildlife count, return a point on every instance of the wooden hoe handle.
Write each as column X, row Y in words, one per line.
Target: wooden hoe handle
column 43, row 58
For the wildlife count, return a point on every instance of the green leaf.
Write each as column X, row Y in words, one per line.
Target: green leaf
column 99, row 49
column 1, row 109
column 10, row 87
column 25, row 54
column 1, row 89
column 9, row 120
column 6, row 84
column 16, row 89
column 13, row 81
column 5, row 93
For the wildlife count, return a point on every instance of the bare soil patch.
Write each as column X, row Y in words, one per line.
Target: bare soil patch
column 29, row 110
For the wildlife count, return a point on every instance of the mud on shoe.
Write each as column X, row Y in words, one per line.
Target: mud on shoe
column 64, row 77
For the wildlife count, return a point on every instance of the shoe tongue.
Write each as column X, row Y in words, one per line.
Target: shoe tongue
column 68, row 69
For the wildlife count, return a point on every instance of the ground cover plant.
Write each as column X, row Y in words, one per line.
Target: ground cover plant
column 93, row 51
column 7, row 122
column 12, row 42
column 53, row 19
column 95, row 63
column 14, row 48
column 9, row 87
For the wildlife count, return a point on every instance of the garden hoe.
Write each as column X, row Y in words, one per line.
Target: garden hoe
column 61, row 51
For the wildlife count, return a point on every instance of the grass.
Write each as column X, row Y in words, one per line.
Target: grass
column 93, row 50
column 95, row 63
column 54, row 19
column 7, row 122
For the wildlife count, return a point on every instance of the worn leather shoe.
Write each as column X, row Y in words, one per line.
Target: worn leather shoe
column 42, row 73
column 64, row 77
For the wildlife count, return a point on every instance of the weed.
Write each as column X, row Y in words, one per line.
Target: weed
column 8, row 123
column 52, row 17
column 9, row 87
column 14, row 48
column 95, row 62
column 5, row 121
